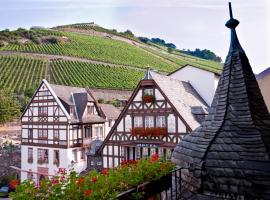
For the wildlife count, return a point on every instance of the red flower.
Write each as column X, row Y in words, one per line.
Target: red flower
column 93, row 179
column 62, row 171
column 54, row 181
column 105, row 172
column 13, row 183
column 87, row 192
column 63, row 178
column 154, row 157
column 80, row 181
column 124, row 162
column 148, row 98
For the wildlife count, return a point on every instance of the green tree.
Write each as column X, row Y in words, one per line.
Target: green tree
column 9, row 107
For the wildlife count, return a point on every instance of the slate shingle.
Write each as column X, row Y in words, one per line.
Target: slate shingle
column 228, row 155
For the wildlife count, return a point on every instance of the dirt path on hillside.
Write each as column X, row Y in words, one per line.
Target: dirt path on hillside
column 51, row 57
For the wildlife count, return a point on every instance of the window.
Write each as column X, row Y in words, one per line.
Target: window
column 43, row 110
column 138, row 121
column 99, row 132
column 56, row 159
column 148, row 92
column 56, row 134
column 149, row 121
column 90, row 109
column 30, row 155
column 74, row 153
column 160, row 121
column 88, row 131
column 83, row 154
column 43, row 133
column 43, row 156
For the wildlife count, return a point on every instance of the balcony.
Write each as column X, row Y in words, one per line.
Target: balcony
column 76, row 143
column 167, row 187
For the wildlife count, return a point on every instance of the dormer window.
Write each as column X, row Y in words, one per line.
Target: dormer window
column 90, row 109
column 148, row 91
column 148, row 95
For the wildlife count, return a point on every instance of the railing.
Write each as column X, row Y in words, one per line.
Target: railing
column 166, row 188
column 76, row 143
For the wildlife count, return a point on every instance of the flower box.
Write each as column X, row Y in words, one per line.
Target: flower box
column 159, row 131
column 148, row 98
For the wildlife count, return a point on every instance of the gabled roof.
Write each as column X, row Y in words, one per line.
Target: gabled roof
column 109, row 111
column 181, row 95
column 264, row 73
column 212, row 70
column 229, row 154
column 64, row 93
column 54, row 96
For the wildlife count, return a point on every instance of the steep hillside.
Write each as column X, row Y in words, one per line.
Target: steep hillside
column 83, row 55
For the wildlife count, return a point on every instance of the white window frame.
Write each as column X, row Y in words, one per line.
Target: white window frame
column 149, row 121
column 138, row 122
column 148, row 91
column 160, row 121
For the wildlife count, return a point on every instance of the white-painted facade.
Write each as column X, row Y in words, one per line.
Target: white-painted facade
column 203, row 81
column 51, row 140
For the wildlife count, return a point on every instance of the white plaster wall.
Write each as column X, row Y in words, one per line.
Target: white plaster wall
column 120, row 126
column 65, row 161
column 203, row 81
column 138, row 97
column 158, row 95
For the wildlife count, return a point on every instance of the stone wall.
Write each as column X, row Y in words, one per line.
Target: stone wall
column 9, row 156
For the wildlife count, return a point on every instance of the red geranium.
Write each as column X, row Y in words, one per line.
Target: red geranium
column 80, row 181
column 13, row 183
column 54, row 181
column 62, row 171
column 154, row 157
column 93, row 179
column 87, row 192
column 105, row 172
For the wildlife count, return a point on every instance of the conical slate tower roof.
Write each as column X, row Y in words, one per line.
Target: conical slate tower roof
column 228, row 155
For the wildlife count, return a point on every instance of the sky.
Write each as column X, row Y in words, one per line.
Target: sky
column 189, row 24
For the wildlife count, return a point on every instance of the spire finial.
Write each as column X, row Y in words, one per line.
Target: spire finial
column 232, row 23
column 230, row 9
column 147, row 73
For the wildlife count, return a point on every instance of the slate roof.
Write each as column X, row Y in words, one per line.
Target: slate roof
column 110, row 111
column 182, row 95
column 64, row 93
column 263, row 73
column 77, row 97
column 229, row 153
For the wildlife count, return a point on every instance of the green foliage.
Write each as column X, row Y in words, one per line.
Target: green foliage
column 96, row 48
column 95, row 186
column 9, row 107
column 21, row 74
column 205, row 54
column 101, row 101
column 114, row 102
column 34, row 35
column 128, row 33
column 94, row 75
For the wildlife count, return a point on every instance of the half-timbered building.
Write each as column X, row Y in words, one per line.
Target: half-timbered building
column 159, row 113
column 57, row 127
